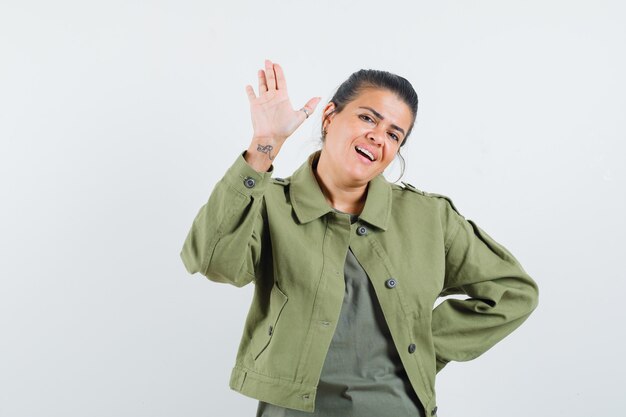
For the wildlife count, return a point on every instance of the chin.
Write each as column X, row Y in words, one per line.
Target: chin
column 360, row 177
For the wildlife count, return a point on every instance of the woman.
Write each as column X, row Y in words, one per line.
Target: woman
column 347, row 266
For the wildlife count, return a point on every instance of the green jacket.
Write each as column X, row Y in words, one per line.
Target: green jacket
column 282, row 235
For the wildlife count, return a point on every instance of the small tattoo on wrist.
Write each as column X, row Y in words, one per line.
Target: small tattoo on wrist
column 266, row 149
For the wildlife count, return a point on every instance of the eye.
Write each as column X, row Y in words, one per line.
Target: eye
column 394, row 136
column 365, row 117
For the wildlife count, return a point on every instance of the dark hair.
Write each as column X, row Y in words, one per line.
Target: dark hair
column 364, row 79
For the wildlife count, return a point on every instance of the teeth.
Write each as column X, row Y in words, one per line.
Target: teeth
column 366, row 152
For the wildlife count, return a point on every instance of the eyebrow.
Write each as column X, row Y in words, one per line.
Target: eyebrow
column 380, row 116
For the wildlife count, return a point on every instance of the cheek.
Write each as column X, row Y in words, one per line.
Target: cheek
column 391, row 153
column 355, row 128
column 344, row 135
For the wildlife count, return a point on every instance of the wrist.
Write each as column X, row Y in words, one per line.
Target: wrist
column 261, row 153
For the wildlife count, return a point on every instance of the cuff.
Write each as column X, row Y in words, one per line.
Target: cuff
column 245, row 179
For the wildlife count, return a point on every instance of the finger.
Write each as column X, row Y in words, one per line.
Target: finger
column 250, row 92
column 262, row 82
column 270, row 76
column 281, row 83
column 310, row 106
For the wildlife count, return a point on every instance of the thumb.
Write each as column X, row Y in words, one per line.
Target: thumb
column 311, row 105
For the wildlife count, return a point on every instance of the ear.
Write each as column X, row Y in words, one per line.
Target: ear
column 328, row 114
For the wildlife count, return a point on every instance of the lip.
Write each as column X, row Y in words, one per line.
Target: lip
column 363, row 158
column 370, row 149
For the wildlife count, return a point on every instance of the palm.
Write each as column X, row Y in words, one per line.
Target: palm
column 272, row 114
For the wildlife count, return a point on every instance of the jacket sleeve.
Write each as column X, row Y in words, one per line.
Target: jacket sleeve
column 225, row 240
column 501, row 295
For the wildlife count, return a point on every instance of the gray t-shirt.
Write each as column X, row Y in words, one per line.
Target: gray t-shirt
column 362, row 374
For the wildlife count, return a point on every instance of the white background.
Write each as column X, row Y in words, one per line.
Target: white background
column 118, row 117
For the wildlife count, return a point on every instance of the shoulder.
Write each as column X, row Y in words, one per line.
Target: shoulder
column 278, row 189
column 441, row 201
column 280, row 181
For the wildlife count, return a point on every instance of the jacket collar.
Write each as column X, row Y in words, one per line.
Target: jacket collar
column 309, row 203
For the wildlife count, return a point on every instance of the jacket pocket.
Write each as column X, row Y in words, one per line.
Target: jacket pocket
column 262, row 339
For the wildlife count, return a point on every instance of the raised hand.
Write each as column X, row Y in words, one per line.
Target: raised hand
column 273, row 117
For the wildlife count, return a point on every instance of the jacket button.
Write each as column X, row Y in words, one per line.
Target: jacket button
column 412, row 348
column 390, row 283
column 361, row 231
column 249, row 182
column 432, row 413
column 271, row 330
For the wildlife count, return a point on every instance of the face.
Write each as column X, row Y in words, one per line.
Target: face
column 363, row 139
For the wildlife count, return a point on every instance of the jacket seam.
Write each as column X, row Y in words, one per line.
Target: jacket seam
column 307, row 348
column 454, row 236
column 281, row 379
column 219, row 232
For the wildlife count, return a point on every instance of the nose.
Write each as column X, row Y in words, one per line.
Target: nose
column 376, row 136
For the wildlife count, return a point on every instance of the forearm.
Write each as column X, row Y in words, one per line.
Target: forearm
column 465, row 329
column 261, row 153
column 224, row 240
column 501, row 296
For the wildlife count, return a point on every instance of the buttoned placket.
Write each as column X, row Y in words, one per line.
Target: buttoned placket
column 331, row 291
column 360, row 234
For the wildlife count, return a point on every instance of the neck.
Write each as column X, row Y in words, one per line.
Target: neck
column 349, row 198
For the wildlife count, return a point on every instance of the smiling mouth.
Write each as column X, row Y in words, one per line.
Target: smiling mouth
column 365, row 153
